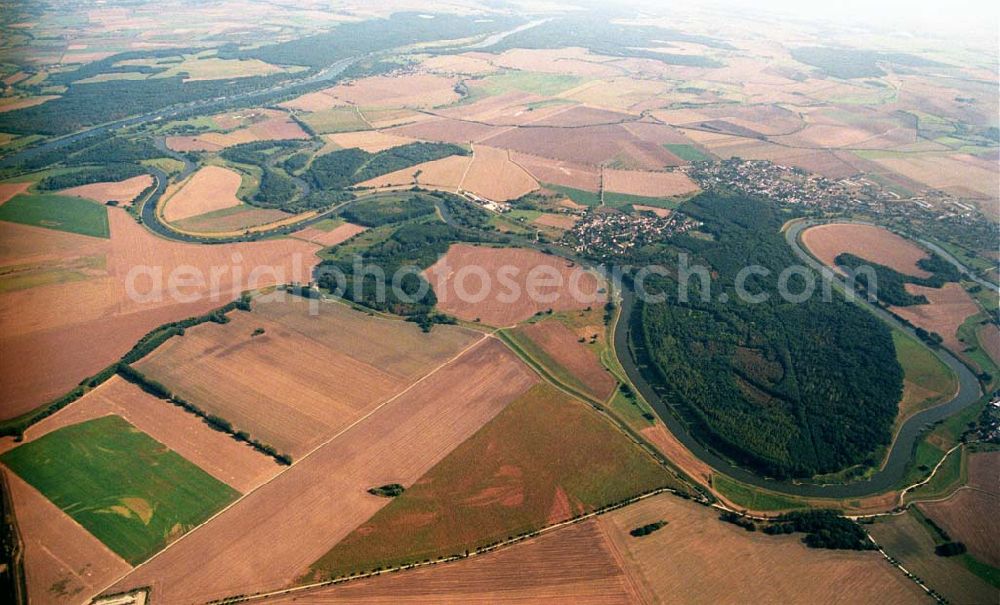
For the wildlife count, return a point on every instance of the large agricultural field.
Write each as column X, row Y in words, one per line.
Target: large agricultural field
column 127, row 489
column 545, row 459
column 459, row 278
column 485, row 302
column 307, row 374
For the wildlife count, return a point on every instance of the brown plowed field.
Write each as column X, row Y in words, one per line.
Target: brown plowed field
column 82, row 566
column 559, row 172
column 970, row 516
column 876, row 244
column 649, row 184
column 371, row 141
column 262, row 542
column 581, row 115
column 572, row 564
column 307, row 376
column 332, row 237
column 409, row 90
column 79, row 327
column 563, row 346
column 313, row 101
column 447, row 131
column 588, row 145
column 258, row 125
column 219, row 455
column 492, row 175
column 445, row 173
column 989, row 338
column 947, row 308
column 677, row 453
column 559, row 221
column 9, row 190
column 698, row 559
column 211, row 188
column 123, row 192
column 458, row 281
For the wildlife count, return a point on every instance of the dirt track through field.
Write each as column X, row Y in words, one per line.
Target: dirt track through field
column 262, row 542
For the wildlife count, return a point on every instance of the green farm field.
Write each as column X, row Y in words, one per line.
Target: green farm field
column 127, row 489
column 61, row 212
column 544, row 459
column 930, row 381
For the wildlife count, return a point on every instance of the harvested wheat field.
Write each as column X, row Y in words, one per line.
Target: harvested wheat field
column 660, row 212
column 123, row 192
column 69, row 324
column 563, row 222
column 559, row 172
column 948, row 306
column 469, row 284
column 492, row 175
column 446, row 130
column 571, row 564
column 446, row 174
column 467, row 64
column 676, row 452
column 9, row 190
column 969, row 515
column 592, row 145
column 337, row 235
column 71, row 574
column 313, row 101
column 259, row 125
column 371, row 141
column 878, row 245
column 544, row 459
column 307, row 376
column 649, row 184
column 909, row 540
column 218, row 454
column 211, row 188
column 408, row 90
column 263, row 543
column 553, row 339
column 696, row 558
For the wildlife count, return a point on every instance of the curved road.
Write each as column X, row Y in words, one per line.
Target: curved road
column 881, row 481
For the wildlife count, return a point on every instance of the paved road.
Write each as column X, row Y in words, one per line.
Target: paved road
column 881, row 481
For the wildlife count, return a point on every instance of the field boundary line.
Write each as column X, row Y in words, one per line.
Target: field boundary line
column 453, row 558
column 300, row 459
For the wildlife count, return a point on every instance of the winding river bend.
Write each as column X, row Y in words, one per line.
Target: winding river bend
column 881, row 481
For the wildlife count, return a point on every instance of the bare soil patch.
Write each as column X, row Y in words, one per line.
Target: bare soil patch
column 371, row 141
column 698, row 559
column 592, row 145
column 262, row 543
column 82, row 566
column 876, row 244
column 559, row 221
column 969, row 516
column 563, row 346
column 211, row 188
column 649, row 184
column 492, row 175
column 570, row 564
column 123, row 192
column 445, row 174
column 408, row 90
column 447, row 131
column 9, row 190
column 559, row 172
column 307, row 376
column 80, row 327
column 947, row 309
column 459, row 277
column 338, row 234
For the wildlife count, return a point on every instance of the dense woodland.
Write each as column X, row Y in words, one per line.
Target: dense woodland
column 889, row 286
column 101, row 174
column 393, row 209
column 791, row 389
column 348, row 167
